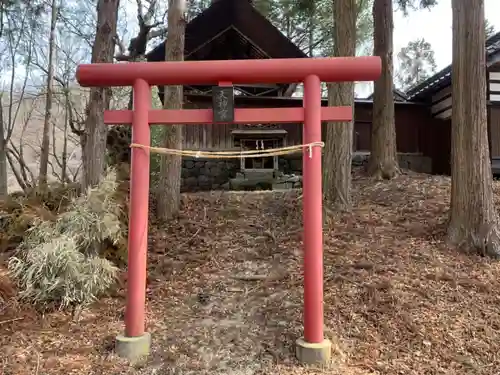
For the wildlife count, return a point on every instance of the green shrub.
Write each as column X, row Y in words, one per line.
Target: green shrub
column 58, row 262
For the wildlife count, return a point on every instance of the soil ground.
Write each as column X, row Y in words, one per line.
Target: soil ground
column 225, row 295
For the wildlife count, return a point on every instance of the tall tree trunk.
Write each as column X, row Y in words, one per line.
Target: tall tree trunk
column 3, row 156
column 383, row 158
column 64, row 154
column 94, row 137
column 473, row 218
column 168, row 193
column 339, row 135
column 4, row 186
column 45, row 149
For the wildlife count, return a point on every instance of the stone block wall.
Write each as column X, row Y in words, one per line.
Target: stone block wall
column 207, row 174
column 411, row 161
column 415, row 162
column 214, row 174
column 290, row 164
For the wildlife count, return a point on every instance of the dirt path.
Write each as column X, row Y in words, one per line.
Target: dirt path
column 238, row 314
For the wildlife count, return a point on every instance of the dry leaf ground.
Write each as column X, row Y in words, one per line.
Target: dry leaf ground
column 225, row 296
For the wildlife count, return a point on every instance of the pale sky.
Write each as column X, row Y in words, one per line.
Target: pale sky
column 435, row 27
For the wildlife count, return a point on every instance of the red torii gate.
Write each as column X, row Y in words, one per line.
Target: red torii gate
column 313, row 347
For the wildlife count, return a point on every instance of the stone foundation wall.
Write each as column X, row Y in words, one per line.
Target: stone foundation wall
column 290, row 164
column 207, row 174
column 416, row 163
column 411, row 161
column 212, row 174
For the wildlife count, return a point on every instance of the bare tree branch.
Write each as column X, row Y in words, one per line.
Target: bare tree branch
column 19, row 178
column 147, row 31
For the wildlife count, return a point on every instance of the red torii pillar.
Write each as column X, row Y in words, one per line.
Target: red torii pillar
column 313, row 347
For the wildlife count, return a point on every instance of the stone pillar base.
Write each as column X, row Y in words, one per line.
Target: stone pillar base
column 313, row 353
column 133, row 348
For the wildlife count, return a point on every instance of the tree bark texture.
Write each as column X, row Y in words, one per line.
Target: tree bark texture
column 94, row 137
column 4, row 186
column 473, row 218
column 383, row 159
column 169, row 187
column 47, row 124
column 339, row 135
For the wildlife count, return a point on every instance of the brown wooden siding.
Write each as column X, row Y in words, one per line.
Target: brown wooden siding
column 494, row 117
column 362, row 136
column 219, row 136
column 206, row 137
column 416, row 130
column 439, row 147
column 410, row 119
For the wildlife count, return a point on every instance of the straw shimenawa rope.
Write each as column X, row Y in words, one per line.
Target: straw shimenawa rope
column 231, row 154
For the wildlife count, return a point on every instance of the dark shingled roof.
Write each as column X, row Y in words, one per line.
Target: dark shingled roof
column 251, row 26
column 442, row 79
column 243, row 32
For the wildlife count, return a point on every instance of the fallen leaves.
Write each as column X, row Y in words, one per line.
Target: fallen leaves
column 225, row 292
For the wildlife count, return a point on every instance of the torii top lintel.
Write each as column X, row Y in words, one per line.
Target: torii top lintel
column 334, row 69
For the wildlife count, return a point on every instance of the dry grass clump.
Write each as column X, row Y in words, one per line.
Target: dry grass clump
column 6, row 290
column 20, row 210
column 58, row 263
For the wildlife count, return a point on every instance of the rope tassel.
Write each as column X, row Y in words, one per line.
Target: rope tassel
column 232, row 154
